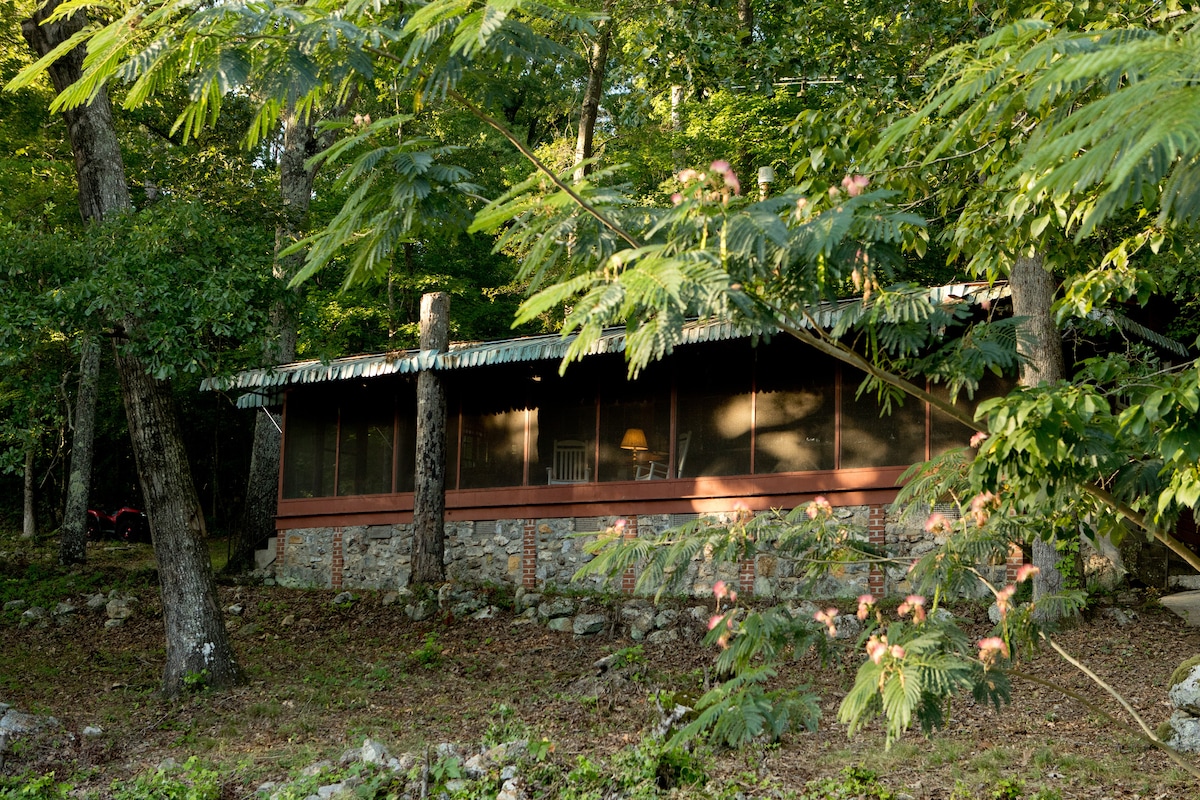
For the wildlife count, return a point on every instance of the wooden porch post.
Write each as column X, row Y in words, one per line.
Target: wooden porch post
column 429, row 501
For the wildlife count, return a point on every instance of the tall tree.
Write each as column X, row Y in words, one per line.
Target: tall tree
column 589, row 111
column 298, row 165
column 429, row 501
column 28, row 514
column 197, row 641
column 1033, row 295
column 102, row 194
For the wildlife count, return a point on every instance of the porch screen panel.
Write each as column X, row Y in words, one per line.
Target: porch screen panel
column 406, row 441
column 565, row 420
column 713, row 402
column 872, row 440
column 310, row 444
column 492, row 441
column 795, row 408
column 452, row 412
column 946, row 433
column 365, row 453
column 627, row 407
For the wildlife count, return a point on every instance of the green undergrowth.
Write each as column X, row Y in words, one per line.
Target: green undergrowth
column 42, row 584
column 646, row 771
column 643, row 771
column 31, row 571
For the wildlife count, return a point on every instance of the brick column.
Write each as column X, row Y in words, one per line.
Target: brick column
column 746, row 575
column 629, row 577
column 529, row 554
column 1016, row 559
column 336, row 559
column 877, row 536
column 747, row 568
column 280, row 537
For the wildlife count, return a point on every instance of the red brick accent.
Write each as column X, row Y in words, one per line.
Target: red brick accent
column 280, row 541
column 529, row 553
column 877, row 536
column 747, row 568
column 336, row 559
column 747, row 572
column 1016, row 558
column 629, row 578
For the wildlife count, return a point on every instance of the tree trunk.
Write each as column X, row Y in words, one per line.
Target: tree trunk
column 429, row 502
column 745, row 12
column 1033, row 289
column 98, row 165
column 588, row 112
column 262, row 494
column 197, row 642
column 198, row 648
column 28, row 519
column 677, row 109
column 103, row 192
column 741, row 157
column 72, row 547
column 300, row 142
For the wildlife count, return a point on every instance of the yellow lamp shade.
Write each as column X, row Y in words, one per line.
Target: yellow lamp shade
column 634, row 439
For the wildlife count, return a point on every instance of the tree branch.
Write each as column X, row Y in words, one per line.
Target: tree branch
column 484, row 117
column 1132, row 515
column 817, row 338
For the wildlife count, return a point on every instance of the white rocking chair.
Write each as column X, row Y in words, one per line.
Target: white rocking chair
column 653, row 470
column 569, row 463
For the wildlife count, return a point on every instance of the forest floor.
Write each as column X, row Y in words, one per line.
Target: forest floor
column 323, row 678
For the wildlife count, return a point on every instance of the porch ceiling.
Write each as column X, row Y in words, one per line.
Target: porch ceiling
column 261, row 385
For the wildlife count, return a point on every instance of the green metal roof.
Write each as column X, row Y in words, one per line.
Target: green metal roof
column 263, row 384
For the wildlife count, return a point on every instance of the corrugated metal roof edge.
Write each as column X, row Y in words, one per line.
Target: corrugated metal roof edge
column 544, row 347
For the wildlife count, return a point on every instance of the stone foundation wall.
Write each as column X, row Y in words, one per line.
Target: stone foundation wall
column 305, row 558
column 377, row 556
column 536, row 554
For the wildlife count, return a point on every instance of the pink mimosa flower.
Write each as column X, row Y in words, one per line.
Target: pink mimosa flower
column 990, row 648
column 876, row 647
column 865, row 602
column 1026, row 572
column 827, row 617
column 1002, row 598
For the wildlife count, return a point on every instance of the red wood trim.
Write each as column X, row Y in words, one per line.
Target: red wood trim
column 871, row 486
